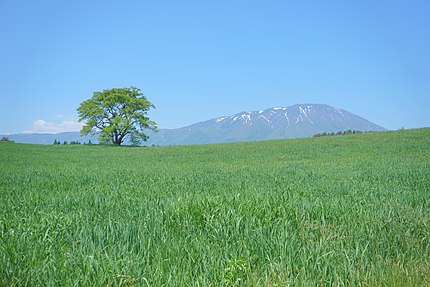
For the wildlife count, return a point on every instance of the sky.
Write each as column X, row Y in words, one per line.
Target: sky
column 197, row 60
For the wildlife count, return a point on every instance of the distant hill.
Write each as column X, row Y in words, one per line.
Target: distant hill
column 303, row 120
column 44, row 138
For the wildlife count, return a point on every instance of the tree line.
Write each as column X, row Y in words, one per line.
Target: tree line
column 71, row 143
column 340, row 133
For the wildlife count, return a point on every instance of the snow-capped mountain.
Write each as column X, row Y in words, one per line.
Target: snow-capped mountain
column 298, row 115
column 296, row 121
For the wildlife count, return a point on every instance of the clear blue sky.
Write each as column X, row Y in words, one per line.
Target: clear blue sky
column 196, row 60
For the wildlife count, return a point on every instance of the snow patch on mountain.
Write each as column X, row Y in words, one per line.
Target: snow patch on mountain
column 220, row 119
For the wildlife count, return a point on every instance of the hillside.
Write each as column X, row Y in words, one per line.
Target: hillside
column 344, row 210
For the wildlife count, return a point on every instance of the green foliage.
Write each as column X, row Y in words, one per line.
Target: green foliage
column 236, row 272
column 117, row 114
column 328, row 211
column 340, row 133
column 6, row 140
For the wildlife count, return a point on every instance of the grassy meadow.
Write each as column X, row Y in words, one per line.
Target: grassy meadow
column 330, row 211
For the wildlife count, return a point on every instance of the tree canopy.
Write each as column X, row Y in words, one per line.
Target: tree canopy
column 117, row 114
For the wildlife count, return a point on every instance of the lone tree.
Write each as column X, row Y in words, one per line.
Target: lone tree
column 116, row 114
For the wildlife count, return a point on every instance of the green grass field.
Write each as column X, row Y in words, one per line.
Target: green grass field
column 330, row 211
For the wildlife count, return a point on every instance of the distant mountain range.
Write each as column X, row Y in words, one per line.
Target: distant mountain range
column 303, row 120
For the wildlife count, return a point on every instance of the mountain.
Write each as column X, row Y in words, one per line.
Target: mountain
column 303, row 120
column 296, row 121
